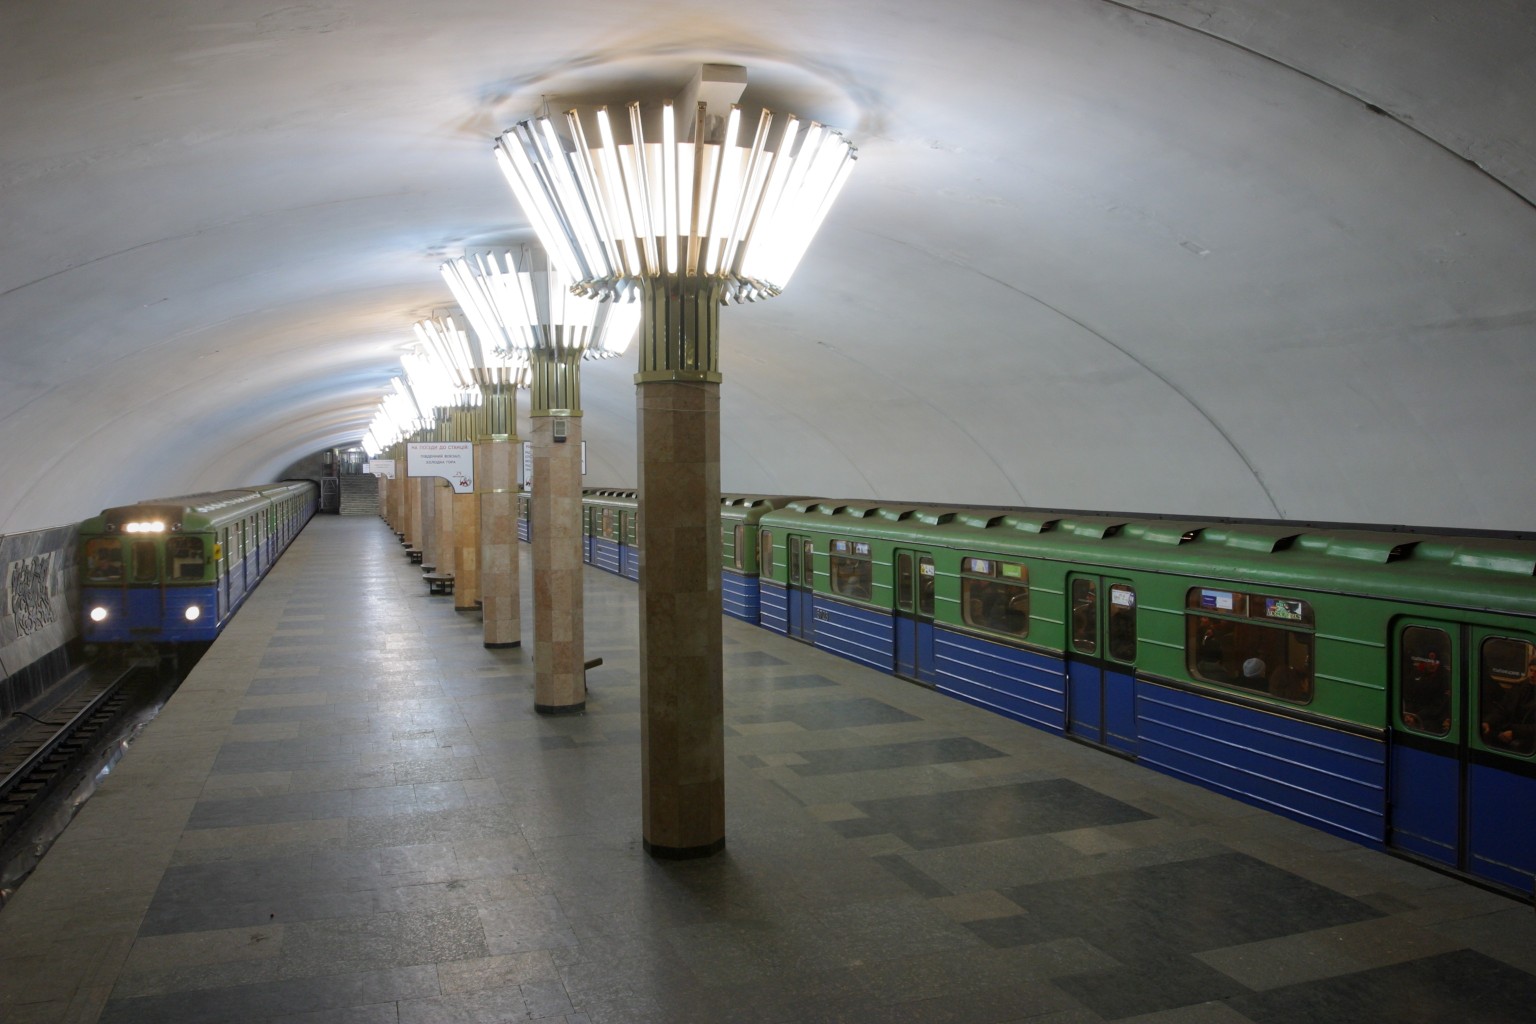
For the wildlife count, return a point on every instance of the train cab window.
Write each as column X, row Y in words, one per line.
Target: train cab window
column 765, row 552
column 103, row 560
column 851, row 569
column 994, row 595
column 1424, row 683
column 1254, row 641
column 1507, row 695
column 146, row 568
column 184, row 558
column 1122, row 623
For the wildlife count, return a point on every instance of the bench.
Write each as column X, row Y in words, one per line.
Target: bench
column 439, row 582
column 415, row 554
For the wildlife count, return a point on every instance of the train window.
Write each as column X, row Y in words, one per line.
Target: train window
column 739, row 545
column 794, row 561
column 925, row 581
column 1085, row 616
column 103, row 560
column 765, row 552
column 1424, row 681
column 1122, row 622
column 1507, row 695
column 608, row 530
column 993, row 595
column 1253, row 641
column 852, row 573
column 904, row 581
column 184, row 558
column 145, row 565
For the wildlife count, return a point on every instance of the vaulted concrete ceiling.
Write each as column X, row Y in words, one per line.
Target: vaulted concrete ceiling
column 1224, row 257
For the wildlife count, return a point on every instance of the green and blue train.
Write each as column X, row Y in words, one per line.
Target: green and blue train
column 1379, row 685
column 173, row 570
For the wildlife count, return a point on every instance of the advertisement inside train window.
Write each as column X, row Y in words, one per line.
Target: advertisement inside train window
column 925, row 568
column 839, row 546
column 861, row 548
column 1122, row 597
column 1012, row 572
column 1287, row 610
column 1218, row 600
column 979, row 566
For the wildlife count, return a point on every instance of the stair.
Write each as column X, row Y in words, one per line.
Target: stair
column 359, row 495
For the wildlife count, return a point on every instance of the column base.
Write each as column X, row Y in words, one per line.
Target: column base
column 509, row 643
column 561, row 709
column 683, row 852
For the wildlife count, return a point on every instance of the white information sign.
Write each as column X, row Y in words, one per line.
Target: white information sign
column 380, row 467
column 454, row 461
column 528, row 465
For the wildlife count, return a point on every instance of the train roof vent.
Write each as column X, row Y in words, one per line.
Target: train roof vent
column 894, row 515
column 933, row 516
column 980, row 520
column 1025, row 523
column 1519, row 560
column 1379, row 548
column 804, row 505
column 1166, row 532
column 1098, row 529
column 1258, row 538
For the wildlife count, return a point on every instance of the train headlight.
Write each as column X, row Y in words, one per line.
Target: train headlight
column 192, row 613
column 98, row 614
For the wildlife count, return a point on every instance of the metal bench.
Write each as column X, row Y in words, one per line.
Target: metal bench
column 439, row 582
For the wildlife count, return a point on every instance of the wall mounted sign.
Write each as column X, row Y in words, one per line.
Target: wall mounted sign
column 454, row 461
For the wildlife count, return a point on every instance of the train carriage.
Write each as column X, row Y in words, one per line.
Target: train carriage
column 173, row 570
column 608, row 527
column 1342, row 678
column 740, row 518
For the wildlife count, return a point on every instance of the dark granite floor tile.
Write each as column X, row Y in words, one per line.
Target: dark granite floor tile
column 1186, row 906
column 255, row 1002
column 920, row 883
column 1154, row 984
column 893, row 755
column 830, row 714
column 1461, row 986
column 752, row 683
column 961, row 817
column 750, row 659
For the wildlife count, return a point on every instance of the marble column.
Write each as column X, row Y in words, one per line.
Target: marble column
column 466, row 523
column 682, row 732
column 559, row 610
column 496, row 458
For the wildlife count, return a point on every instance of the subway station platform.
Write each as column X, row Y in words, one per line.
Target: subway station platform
column 351, row 814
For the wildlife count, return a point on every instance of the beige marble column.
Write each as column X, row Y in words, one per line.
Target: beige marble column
column 682, row 727
column 442, row 525
column 559, row 611
column 500, row 593
column 466, row 522
column 426, row 517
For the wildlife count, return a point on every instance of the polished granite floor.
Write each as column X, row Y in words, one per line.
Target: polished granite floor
column 350, row 814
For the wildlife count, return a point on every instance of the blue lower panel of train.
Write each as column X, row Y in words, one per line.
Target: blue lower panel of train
column 1501, row 806
column 772, row 607
column 1325, row 777
column 858, row 634
column 1011, row 681
column 522, row 530
column 605, row 555
column 739, row 595
column 151, row 613
column 629, row 563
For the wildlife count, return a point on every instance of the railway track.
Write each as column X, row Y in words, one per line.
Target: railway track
column 61, row 746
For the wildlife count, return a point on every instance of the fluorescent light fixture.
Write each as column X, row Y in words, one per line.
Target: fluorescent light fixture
column 681, row 196
column 522, row 310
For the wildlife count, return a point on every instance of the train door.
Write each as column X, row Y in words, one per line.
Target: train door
column 1463, row 757
column 1101, row 661
column 802, row 588
column 914, row 616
